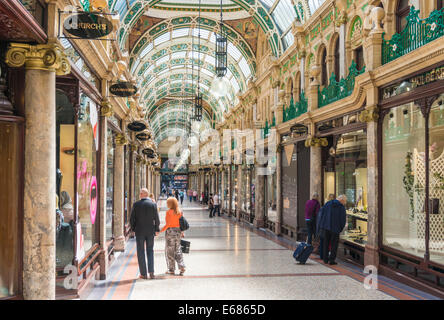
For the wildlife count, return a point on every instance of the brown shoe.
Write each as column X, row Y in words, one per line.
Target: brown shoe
column 152, row 275
column 143, row 277
column 169, row 272
column 182, row 271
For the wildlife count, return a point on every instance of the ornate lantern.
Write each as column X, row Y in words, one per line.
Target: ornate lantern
column 221, row 49
column 198, row 107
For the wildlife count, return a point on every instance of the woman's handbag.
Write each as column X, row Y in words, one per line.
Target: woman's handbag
column 185, row 245
column 183, row 223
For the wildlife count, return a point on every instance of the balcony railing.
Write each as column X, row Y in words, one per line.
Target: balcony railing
column 338, row 90
column 295, row 109
column 416, row 33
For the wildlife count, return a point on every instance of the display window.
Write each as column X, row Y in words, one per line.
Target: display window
column 127, row 175
column 87, row 191
column 136, row 180
column 345, row 172
column 404, row 180
column 226, row 190
column 65, row 175
column 109, row 183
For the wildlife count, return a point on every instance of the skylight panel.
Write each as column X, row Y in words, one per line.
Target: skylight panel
column 233, row 51
column 284, row 14
column 147, row 49
column 162, row 60
column 235, row 85
column 314, row 5
column 135, row 65
column 268, row 3
column 212, row 38
column 207, row 72
column 182, row 32
column 177, row 55
column 203, row 33
column 289, row 39
column 244, row 68
column 148, row 71
column 161, row 39
column 210, row 60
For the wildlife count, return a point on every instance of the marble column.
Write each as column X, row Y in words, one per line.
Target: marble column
column 42, row 63
column 342, row 58
column 103, row 136
column 259, row 206
column 119, row 190
column 315, row 170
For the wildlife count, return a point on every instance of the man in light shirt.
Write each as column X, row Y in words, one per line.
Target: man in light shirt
column 216, row 205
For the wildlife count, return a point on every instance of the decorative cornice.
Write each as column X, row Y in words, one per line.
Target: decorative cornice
column 48, row 57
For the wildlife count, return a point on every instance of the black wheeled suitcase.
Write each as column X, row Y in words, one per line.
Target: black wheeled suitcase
column 302, row 252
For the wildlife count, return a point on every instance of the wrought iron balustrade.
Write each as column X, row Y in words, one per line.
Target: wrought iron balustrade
column 416, row 33
column 295, row 109
column 337, row 90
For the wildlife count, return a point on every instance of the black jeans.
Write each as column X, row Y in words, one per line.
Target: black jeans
column 216, row 208
column 140, row 241
column 310, row 230
column 330, row 238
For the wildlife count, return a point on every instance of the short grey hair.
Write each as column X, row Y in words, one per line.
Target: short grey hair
column 342, row 197
column 315, row 195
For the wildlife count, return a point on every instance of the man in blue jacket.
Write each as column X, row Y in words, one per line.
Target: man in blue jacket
column 331, row 223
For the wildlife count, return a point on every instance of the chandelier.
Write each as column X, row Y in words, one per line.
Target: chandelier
column 221, row 48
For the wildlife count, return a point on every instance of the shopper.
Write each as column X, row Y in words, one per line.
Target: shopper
column 144, row 222
column 195, row 195
column 216, row 205
column 331, row 224
column 190, row 194
column 311, row 210
column 210, row 205
column 181, row 196
column 173, row 250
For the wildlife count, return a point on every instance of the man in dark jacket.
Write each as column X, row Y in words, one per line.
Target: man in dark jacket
column 331, row 223
column 145, row 223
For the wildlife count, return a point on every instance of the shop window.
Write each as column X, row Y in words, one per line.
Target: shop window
column 65, row 152
column 439, row 4
column 436, row 185
column 226, row 192
column 109, row 184
column 337, row 59
column 324, row 74
column 234, row 188
column 127, row 183
column 402, row 12
column 88, row 146
column 402, row 171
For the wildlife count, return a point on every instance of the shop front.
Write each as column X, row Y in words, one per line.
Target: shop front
column 295, row 177
column 247, row 190
column 344, row 171
column 233, row 189
column 411, row 132
column 270, row 194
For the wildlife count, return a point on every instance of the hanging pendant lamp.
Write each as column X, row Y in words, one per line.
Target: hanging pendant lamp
column 221, row 48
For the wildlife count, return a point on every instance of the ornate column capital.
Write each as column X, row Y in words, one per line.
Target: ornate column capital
column 48, row 57
column 316, row 142
column 121, row 139
column 106, row 110
column 370, row 114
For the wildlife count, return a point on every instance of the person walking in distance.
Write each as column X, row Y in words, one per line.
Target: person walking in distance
column 332, row 222
column 311, row 210
column 144, row 221
column 173, row 250
column 216, row 205
column 181, row 196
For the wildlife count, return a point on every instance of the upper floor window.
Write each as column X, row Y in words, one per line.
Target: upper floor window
column 439, row 4
column 324, row 74
column 337, row 57
column 359, row 57
column 402, row 12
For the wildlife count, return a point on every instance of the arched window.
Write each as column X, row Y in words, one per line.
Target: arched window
column 439, row 4
column 359, row 57
column 402, row 12
column 337, row 61
column 324, row 75
column 291, row 90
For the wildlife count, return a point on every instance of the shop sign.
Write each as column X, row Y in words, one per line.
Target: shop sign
column 123, row 89
column 85, row 25
column 414, row 82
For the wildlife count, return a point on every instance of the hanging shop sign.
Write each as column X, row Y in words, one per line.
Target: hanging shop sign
column 414, row 82
column 123, row 89
column 87, row 25
column 136, row 126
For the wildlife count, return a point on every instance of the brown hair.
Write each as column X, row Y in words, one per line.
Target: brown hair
column 173, row 204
